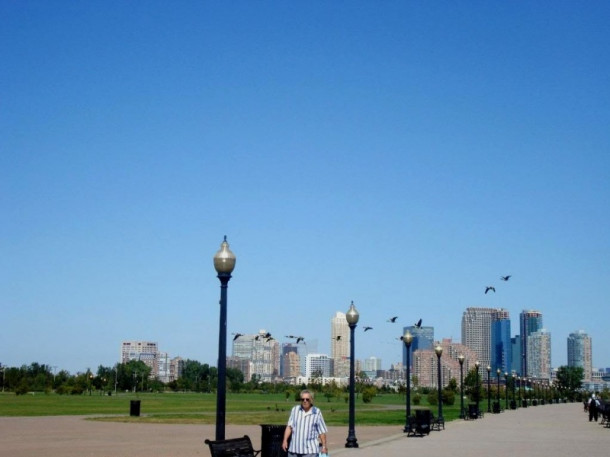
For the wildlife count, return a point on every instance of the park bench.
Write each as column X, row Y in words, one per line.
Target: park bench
column 233, row 447
column 421, row 423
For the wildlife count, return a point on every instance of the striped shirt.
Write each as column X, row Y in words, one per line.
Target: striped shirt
column 306, row 428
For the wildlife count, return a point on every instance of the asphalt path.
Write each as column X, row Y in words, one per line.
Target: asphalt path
column 559, row 430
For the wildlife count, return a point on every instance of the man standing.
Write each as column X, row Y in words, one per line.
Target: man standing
column 307, row 428
column 593, row 405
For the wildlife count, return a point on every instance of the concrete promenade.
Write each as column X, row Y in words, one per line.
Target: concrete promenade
column 551, row 430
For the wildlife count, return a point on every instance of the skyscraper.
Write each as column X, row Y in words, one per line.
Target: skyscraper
column 339, row 344
column 580, row 353
column 423, row 339
column 539, row 354
column 529, row 322
column 476, row 331
column 501, row 348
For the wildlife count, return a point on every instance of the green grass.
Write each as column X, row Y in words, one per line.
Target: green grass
column 191, row 408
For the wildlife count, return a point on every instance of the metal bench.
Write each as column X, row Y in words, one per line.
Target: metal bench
column 233, row 447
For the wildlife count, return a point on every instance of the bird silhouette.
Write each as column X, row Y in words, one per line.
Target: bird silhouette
column 299, row 339
column 290, row 336
column 237, row 335
column 488, row 288
column 269, row 339
column 418, row 324
column 393, row 319
column 505, row 278
column 367, row 328
column 338, row 338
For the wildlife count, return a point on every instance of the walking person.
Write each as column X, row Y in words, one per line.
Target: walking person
column 593, row 407
column 306, row 429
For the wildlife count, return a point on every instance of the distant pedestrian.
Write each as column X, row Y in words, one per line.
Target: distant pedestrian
column 593, row 407
column 306, row 429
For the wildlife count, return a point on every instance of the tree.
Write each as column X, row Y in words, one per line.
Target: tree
column 569, row 381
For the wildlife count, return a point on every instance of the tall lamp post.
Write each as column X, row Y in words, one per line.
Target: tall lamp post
column 498, row 371
column 506, row 390
column 488, row 389
column 461, row 360
column 439, row 352
column 407, row 338
column 478, row 392
column 224, row 263
column 514, row 403
column 352, row 317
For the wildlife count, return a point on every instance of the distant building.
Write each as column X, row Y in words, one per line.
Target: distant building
column 477, row 332
column 340, row 344
column 145, row 351
column 262, row 353
column 317, row 365
column 529, row 322
column 501, row 348
column 539, row 354
column 423, row 339
column 580, row 353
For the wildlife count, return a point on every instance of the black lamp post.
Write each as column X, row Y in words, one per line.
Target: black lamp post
column 407, row 338
column 461, row 360
column 506, row 390
column 488, row 389
column 498, row 371
column 514, row 403
column 224, row 263
column 439, row 351
column 352, row 317
column 477, row 364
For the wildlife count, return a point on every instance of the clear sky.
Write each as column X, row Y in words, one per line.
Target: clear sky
column 403, row 155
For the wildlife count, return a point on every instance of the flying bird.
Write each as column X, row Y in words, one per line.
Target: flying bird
column 488, row 288
column 393, row 319
column 338, row 338
column 290, row 336
column 237, row 335
column 367, row 328
column 505, row 278
column 418, row 324
column 269, row 339
column 300, row 338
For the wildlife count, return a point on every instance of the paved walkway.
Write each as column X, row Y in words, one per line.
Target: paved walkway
column 551, row 430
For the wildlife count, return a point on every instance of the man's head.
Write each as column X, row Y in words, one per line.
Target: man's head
column 306, row 398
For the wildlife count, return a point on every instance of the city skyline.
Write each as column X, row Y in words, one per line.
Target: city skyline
column 404, row 156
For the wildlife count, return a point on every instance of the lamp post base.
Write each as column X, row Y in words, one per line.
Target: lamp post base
column 351, row 442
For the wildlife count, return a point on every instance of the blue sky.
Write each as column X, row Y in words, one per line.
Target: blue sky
column 402, row 155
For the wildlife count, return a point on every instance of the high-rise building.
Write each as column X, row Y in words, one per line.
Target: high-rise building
column 423, row 339
column 539, row 354
column 339, row 344
column 515, row 343
column 477, row 330
column 317, row 365
column 580, row 353
column 262, row 352
column 145, row 351
column 291, row 362
column 425, row 363
column 501, row 348
column 529, row 322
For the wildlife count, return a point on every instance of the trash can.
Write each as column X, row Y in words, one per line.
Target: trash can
column 496, row 407
column 513, row 404
column 134, row 408
column 271, row 440
column 473, row 411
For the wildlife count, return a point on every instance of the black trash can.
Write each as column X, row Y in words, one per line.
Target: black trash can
column 134, row 408
column 473, row 411
column 513, row 404
column 496, row 407
column 271, row 440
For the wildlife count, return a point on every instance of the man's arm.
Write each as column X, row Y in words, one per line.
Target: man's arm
column 323, row 440
column 287, row 434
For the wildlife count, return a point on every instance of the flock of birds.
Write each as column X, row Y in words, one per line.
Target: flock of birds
column 300, row 339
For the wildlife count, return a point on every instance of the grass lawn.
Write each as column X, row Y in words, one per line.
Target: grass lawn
column 192, row 408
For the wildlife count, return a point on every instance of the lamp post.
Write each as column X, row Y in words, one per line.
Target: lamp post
column 407, row 338
column 461, row 360
column 352, row 317
column 439, row 351
column 488, row 389
column 224, row 263
column 506, row 390
column 498, row 371
column 513, row 405
column 478, row 392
